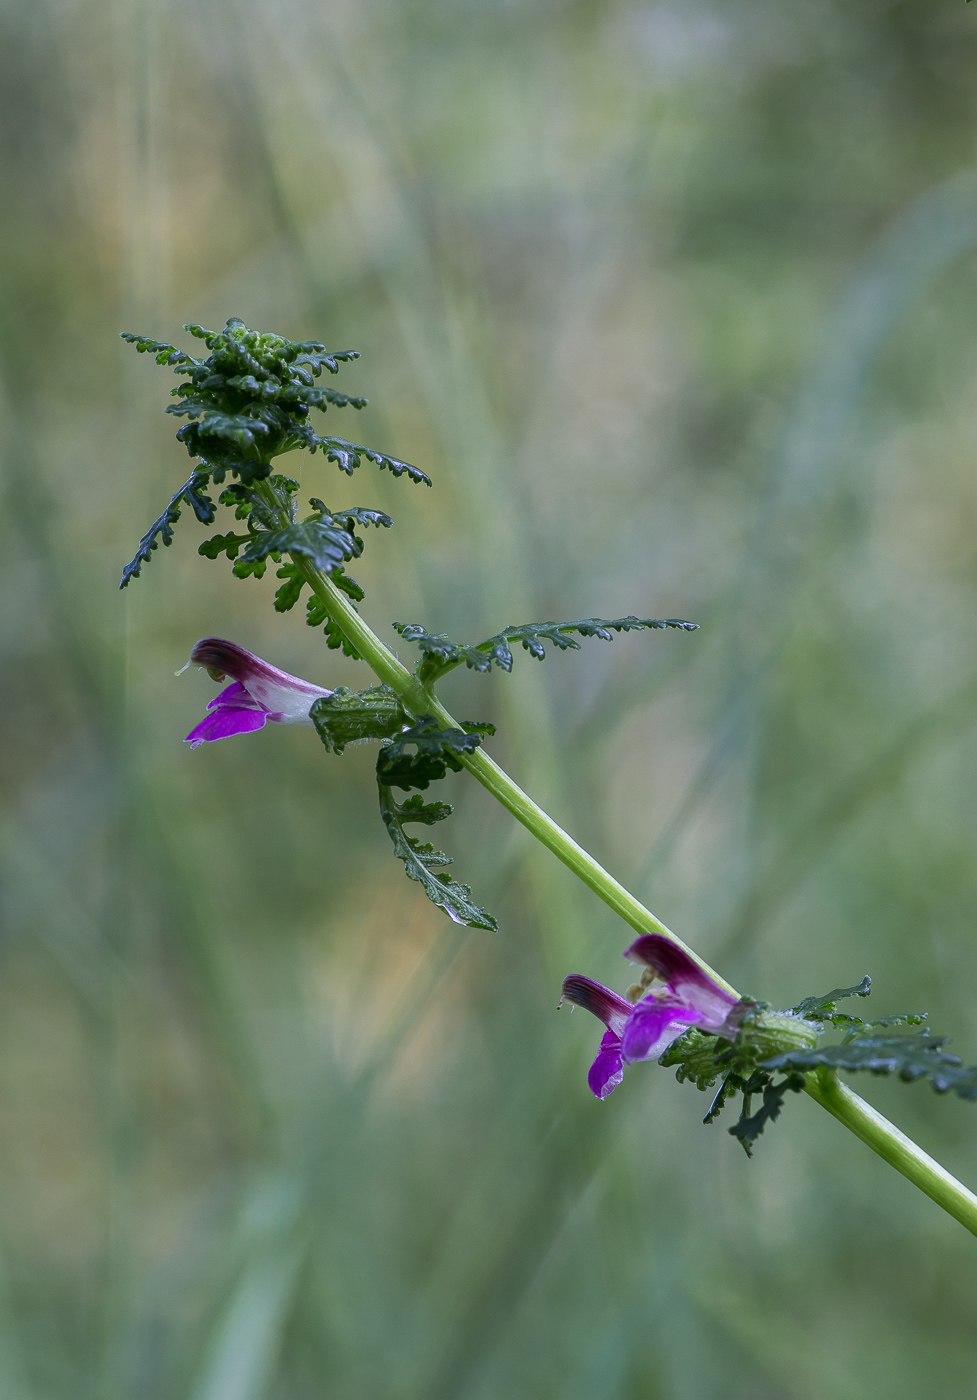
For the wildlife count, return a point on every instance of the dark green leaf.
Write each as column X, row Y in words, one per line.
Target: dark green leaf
column 336, row 638
column 421, row 861
column 437, row 750
column 353, row 716
column 355, row 515
column 223, row 544
column 749, row 1127
column 325, row 544
column 919, row 1056
column 349, row 586
column 823, row 1008
column 202, row 506
column 164, row 354
column 248, row 402
column 347, row 456
column 441, row 654
column 415, row 809
column 289, row 593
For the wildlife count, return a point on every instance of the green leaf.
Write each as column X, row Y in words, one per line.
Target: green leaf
column 317, row 616
column 478, row 726
column 421, row 861
column 336, row 638
column 315, row 356
column 919, row 1056
column 163, row 353
column 437, row 751
column 248, row 402
column 223, row 544
column 347, row 456
column 823, row 1008
column 355, row 515
column 289, row 593
column 348, row 585
column 440, row 654
column 354, row 716
column 749, row 1127
column 191, row 493
column 325, row 544
column 415, row 809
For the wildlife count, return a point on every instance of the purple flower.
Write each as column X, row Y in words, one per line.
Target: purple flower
column 260, row 693
column 682, row 994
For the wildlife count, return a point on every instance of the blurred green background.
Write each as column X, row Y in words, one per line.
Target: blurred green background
column 676, row 302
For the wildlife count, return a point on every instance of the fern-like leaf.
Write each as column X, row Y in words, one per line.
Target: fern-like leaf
column 190, row 493
column 248, row 402
column 436, row 750
column 440, row 654
column 919, row 1056
column 422, row 861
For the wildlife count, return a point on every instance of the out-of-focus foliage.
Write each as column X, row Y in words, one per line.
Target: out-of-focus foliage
column 270, row 1126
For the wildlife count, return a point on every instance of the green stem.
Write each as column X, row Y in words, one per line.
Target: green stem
column 894, row 1147
column 825, row 1088
column 420, row 700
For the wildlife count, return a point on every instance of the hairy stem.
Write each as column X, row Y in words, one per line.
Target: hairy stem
column 824, row 1087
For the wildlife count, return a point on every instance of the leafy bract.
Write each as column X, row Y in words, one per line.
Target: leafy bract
column 246, row 403
column 352, row 716
column 423, row 862
column 748, row 1060
column 440, row 654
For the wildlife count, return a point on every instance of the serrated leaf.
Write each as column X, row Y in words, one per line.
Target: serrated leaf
column 250, row 568
column 415, row 809
column 822, row 1008
column 749, row 1126
column 337, row 640
column 347, row 456
column 325, row 544
column 441, row 654
column 355, row 515
column 229, row 544
column 911, row 1057
column 191, row 493
column 352, row 716
column 348, row 585
column 422, row 860
column 164, row 354
column 315, row 355
column 248, row 402
column 290, row 591
column 437, row 750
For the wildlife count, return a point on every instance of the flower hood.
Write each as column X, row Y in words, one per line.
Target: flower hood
column 260, row 693
column 682, row 994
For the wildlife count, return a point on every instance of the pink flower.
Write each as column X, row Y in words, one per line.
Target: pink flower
column 260, row 693
column 685, row 996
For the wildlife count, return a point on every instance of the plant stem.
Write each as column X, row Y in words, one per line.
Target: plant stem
column 824, row 1087
column 422, row 701
column 894, row 1147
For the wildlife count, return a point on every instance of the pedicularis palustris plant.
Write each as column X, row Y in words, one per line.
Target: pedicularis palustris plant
column 248, row 402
